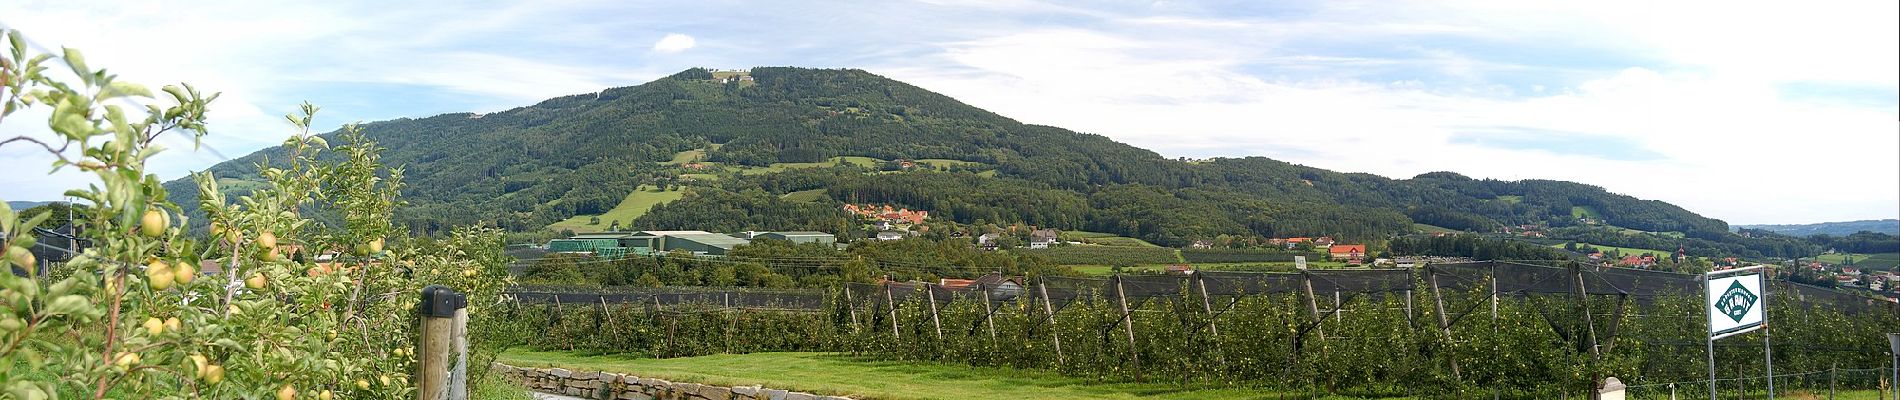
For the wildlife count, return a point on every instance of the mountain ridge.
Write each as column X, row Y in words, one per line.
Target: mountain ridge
column 581, row 154
column 1838, row 228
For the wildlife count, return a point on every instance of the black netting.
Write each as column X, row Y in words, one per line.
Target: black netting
column 1841, row 300
column 733, row 299
column 1223, row 283
column 1638, row 282
column 1066, row 290
column 1151, row 286
column 1361, row 280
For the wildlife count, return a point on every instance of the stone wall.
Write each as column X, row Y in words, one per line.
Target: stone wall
column 612, row 386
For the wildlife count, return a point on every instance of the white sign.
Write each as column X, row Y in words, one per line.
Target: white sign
column 1299, row 262
column 1735, row 304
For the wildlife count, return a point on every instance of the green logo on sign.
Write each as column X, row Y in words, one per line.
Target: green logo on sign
column 1736, row 301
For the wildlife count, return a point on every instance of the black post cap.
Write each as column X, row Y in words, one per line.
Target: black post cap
column 441, row 302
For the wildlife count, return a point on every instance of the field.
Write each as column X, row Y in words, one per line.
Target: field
column 1107, row 255
column 1585, row 212
column 1432, row 228
column 1625, row 250
column 635, row 205
column 834, row 374
column 1877, row 260
column 1105, row 239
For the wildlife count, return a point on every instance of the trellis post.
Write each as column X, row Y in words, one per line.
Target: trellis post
column 1312, row 303
column 934, row 322
column 892, row 302
column 1128, row 319
column 1207, row 305
column 989, row 312
column 1049, row 311
column 1444, row 321
column 852, row 305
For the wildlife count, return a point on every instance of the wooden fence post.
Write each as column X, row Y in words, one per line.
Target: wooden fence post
column 435, row 358
column 1128, row 319
column 1049, row 312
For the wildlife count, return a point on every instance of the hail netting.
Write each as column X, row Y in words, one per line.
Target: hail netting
column 1518, row 278
column 746, row 299
column 1066, row 290
column 1223, row 283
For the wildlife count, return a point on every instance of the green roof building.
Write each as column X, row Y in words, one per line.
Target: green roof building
column 703, row 243
column 801, row 237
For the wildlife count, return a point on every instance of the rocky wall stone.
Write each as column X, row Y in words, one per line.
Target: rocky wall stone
column 590, row 384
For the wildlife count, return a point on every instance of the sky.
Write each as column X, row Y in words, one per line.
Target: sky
column 1751, row 112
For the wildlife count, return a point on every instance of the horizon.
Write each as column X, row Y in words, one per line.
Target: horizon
column 1622, row 96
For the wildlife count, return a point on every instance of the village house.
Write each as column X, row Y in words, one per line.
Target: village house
column 987, row 241
column 890, row 235
column 1180, row 269
column 1354, row 253
column 1201, row 244
column 1042, row 238
column 1000, row 288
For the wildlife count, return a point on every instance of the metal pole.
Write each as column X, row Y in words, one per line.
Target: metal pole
column 1768, row 348
column 1708, row 335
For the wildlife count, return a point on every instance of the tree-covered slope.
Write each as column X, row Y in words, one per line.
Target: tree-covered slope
column 527, row 167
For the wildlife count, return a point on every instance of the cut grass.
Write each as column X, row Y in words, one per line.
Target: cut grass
column 1584, row 212
column 633, row 206
column 829, row 374
column 686, row 157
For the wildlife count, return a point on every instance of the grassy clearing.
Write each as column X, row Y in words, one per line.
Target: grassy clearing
column 860, row 378
column 687, row 156
column 1625, row 250
column 1432, row 228
column 1585, row 212
column 805, row 196
column 1876, row 260
column 1511, row 199
column 631, row 207
column 1105, row 239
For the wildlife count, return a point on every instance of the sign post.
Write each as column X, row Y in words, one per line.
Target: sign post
column 1893, row 344
column 1737, row 301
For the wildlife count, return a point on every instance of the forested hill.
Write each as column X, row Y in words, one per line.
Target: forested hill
column 776, row 131
column 1887, row 226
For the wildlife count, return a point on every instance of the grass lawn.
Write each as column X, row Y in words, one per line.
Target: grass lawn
column 635, row 205
column 686, row 156
column 1876, row 260
column 832, row 374
column 1584, row 212
column 1432, row 228
column 1105, row 239
column 804, row 196
column 1625, row 250
column 1510, row 199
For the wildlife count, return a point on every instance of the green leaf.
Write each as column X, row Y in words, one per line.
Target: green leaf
column 123, row 89
column 71, row 304
column 78, row 64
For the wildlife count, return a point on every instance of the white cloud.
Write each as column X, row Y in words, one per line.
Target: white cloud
column 674, row 43
column 1728, row 139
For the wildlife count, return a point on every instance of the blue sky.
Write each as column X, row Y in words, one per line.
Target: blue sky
column 1749, row 113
